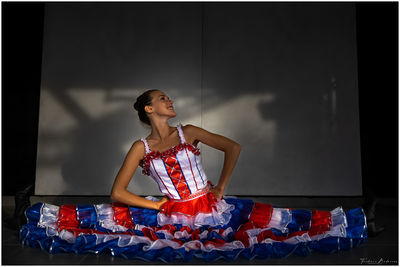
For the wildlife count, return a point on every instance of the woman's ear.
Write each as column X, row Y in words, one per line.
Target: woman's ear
column 148, row 109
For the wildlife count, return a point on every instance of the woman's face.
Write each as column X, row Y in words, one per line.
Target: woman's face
column 161, row 104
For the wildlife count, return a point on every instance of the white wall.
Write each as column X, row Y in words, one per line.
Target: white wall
column 279, row 78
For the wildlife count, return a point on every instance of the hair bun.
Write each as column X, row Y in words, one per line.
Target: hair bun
column 141, row 102
column 136, row 105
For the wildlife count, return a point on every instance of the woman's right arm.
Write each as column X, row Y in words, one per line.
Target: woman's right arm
column 119, row 192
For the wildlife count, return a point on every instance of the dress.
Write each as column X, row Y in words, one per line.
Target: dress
column 193, row 223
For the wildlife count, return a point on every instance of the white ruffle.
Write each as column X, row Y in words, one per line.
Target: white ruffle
column 280, row 219
column 161, row 243
column 219, row 216
column 204, row 234
column 180, row 132
column 63, row 234
column 129, row 240
column 226, row 232
column 49, row 216
column 256, row 231
column 253, row 240
column 292, row 240
column 298, row 239
column 268, row 241
column 105, row 215
column 337, row 230
column 338, row 216
column 68, row 236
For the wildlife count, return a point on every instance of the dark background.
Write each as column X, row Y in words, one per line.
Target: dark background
column 377, row 51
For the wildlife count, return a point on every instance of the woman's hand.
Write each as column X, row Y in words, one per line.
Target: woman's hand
column 230, row 148
column 217, row 192
column 161, row 202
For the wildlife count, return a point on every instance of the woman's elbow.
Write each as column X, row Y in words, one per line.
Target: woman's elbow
column 114, row 195
column 238, row 147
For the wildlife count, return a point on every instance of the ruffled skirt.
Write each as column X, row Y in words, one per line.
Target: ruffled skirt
column 206, row 228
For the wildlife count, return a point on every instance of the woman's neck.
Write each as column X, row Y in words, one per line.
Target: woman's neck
column 160, row 130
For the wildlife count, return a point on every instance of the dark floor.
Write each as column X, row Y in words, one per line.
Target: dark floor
column 382, row 249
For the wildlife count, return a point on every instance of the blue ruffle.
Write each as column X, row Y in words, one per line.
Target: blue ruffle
column 143, row 216
column 300, row 220
column 87, row 217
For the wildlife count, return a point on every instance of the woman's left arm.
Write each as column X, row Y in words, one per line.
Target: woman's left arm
column 228, row 146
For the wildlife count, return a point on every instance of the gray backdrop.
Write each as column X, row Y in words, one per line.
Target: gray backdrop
column 278, row 78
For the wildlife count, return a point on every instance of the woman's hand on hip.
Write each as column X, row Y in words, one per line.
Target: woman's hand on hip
column 217, row 192
column 161, row 202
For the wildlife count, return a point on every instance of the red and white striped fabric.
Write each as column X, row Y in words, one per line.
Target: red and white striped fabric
column 177, row 171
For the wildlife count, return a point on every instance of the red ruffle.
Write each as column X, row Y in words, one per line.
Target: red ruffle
column 145, row 162
column 122, row 215
column 259, row 218
column 67, row 218
column 321, row 220
column 203, row 204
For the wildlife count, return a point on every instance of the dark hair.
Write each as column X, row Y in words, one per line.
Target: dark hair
column 141, row 101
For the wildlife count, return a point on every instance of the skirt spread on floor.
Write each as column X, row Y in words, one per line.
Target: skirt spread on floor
column 221, row 229
column 193, row 223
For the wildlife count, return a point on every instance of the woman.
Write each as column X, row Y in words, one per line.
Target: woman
column 181, row 178
column 193, row 219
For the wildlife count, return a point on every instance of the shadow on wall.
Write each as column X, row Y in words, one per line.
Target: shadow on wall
column 269, row 84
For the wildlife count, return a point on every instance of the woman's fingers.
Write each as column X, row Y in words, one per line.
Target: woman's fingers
column 217, row 193
column 161, row 202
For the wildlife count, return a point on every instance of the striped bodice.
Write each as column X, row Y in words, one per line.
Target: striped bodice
column 177, row 171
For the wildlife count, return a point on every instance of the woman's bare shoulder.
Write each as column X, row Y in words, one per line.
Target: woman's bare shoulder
column 138, row 143
column 190, row 131
column 138, row 148
column 190, row 128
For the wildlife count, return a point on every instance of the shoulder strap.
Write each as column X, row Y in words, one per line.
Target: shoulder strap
column 180, row 131
column 146, row 145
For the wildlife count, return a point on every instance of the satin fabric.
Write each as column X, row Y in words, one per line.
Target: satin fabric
column 254, row 230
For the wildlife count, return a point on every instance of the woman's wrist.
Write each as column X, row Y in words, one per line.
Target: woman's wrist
column 220, row 187
column 160, row 203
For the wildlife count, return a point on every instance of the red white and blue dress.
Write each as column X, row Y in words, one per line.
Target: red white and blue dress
column 193, row 223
